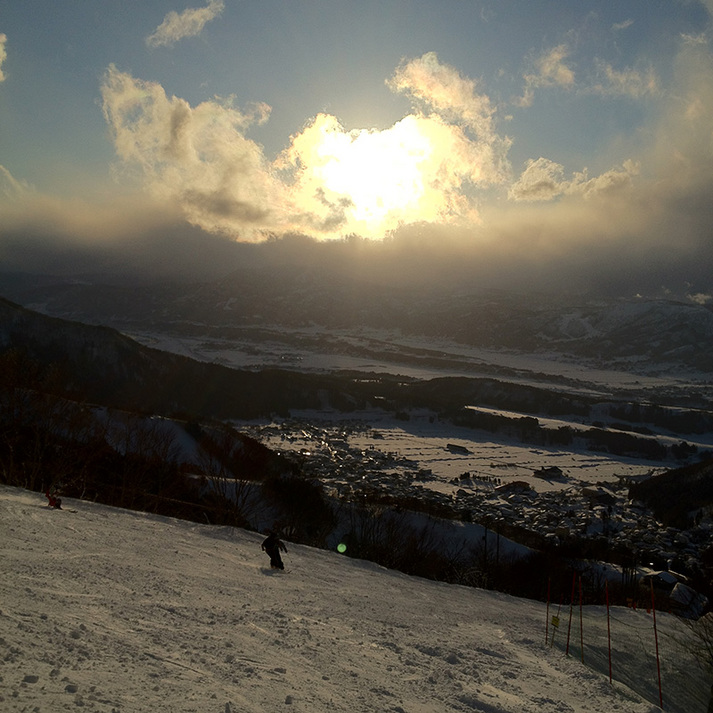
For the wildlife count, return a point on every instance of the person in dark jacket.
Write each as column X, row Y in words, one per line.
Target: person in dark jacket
column 272, row 545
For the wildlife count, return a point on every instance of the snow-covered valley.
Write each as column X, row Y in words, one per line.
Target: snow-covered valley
column 556, row 492
column 137, row 618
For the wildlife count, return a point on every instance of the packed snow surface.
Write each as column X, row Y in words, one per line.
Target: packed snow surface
column 112, row 610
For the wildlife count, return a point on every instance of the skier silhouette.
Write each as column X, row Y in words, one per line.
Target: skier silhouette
column 272, row 545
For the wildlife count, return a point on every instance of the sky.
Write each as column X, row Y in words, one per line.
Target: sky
column 549, row 133
column 107, row 609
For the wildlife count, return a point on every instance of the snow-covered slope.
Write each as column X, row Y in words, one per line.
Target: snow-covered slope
column 110, row 610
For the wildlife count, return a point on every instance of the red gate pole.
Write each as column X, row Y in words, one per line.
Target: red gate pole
column 606, row 591
column 556, row 621
column 581, row 625
column 656, row 637
column 571, row 606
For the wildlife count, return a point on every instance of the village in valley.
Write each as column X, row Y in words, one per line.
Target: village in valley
column 536, row 497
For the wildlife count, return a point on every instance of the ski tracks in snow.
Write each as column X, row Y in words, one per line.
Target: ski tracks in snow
column 130, row 613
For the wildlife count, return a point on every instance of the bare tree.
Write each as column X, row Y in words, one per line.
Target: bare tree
column 701, row 642
column 236, row 498
column 33, row 418
column 149, row 451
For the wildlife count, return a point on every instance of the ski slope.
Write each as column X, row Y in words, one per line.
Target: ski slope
column 109, row 610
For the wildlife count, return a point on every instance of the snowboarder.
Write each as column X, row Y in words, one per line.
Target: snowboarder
column 54, row 500
column 272, row 545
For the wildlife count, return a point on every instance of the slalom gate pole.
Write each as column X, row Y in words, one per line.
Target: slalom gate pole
column 556, row 622
column 656, row 637
column 606, row 592
column 547, row 615
column 581, row 624
column 571, row 607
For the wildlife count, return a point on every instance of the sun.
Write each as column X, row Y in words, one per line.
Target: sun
column 380, row 172
column 375, row 180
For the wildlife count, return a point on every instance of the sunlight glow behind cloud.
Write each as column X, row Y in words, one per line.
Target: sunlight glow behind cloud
column 189, row 23
column 421, row 169
column 543, row 180
column 371, row 182
column 423, row 177
column 328, row 182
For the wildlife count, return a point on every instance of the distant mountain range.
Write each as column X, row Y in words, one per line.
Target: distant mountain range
column 103, row 366
column 640, row 335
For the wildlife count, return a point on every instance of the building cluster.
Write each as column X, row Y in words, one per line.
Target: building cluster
column 572, row 513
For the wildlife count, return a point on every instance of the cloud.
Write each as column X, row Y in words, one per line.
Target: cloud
column 552, row 69
column 421, row 169
column 614, row 181
column 3, row 55
column 543, row 180
column 371, row 182
column 698, row 39
column 628, row 82
column 421, row 182
column 617, row 26
column 549, row 69
column 328, row 182
column 11, row 187
column 700, row 299
column 641, row 225
column 195, row 157
column 683, row 150
column 441, row 89
column 119, row 234
column 189, row 23
column 31, row 213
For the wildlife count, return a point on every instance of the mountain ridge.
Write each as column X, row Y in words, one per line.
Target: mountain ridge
column 647, row 335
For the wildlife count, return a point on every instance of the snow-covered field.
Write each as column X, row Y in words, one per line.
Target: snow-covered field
column 422, row 440
column 425, row 442
column 109, row 610
column 382, row 351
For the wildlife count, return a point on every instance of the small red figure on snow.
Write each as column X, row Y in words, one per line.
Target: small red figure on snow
column 54, row 500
